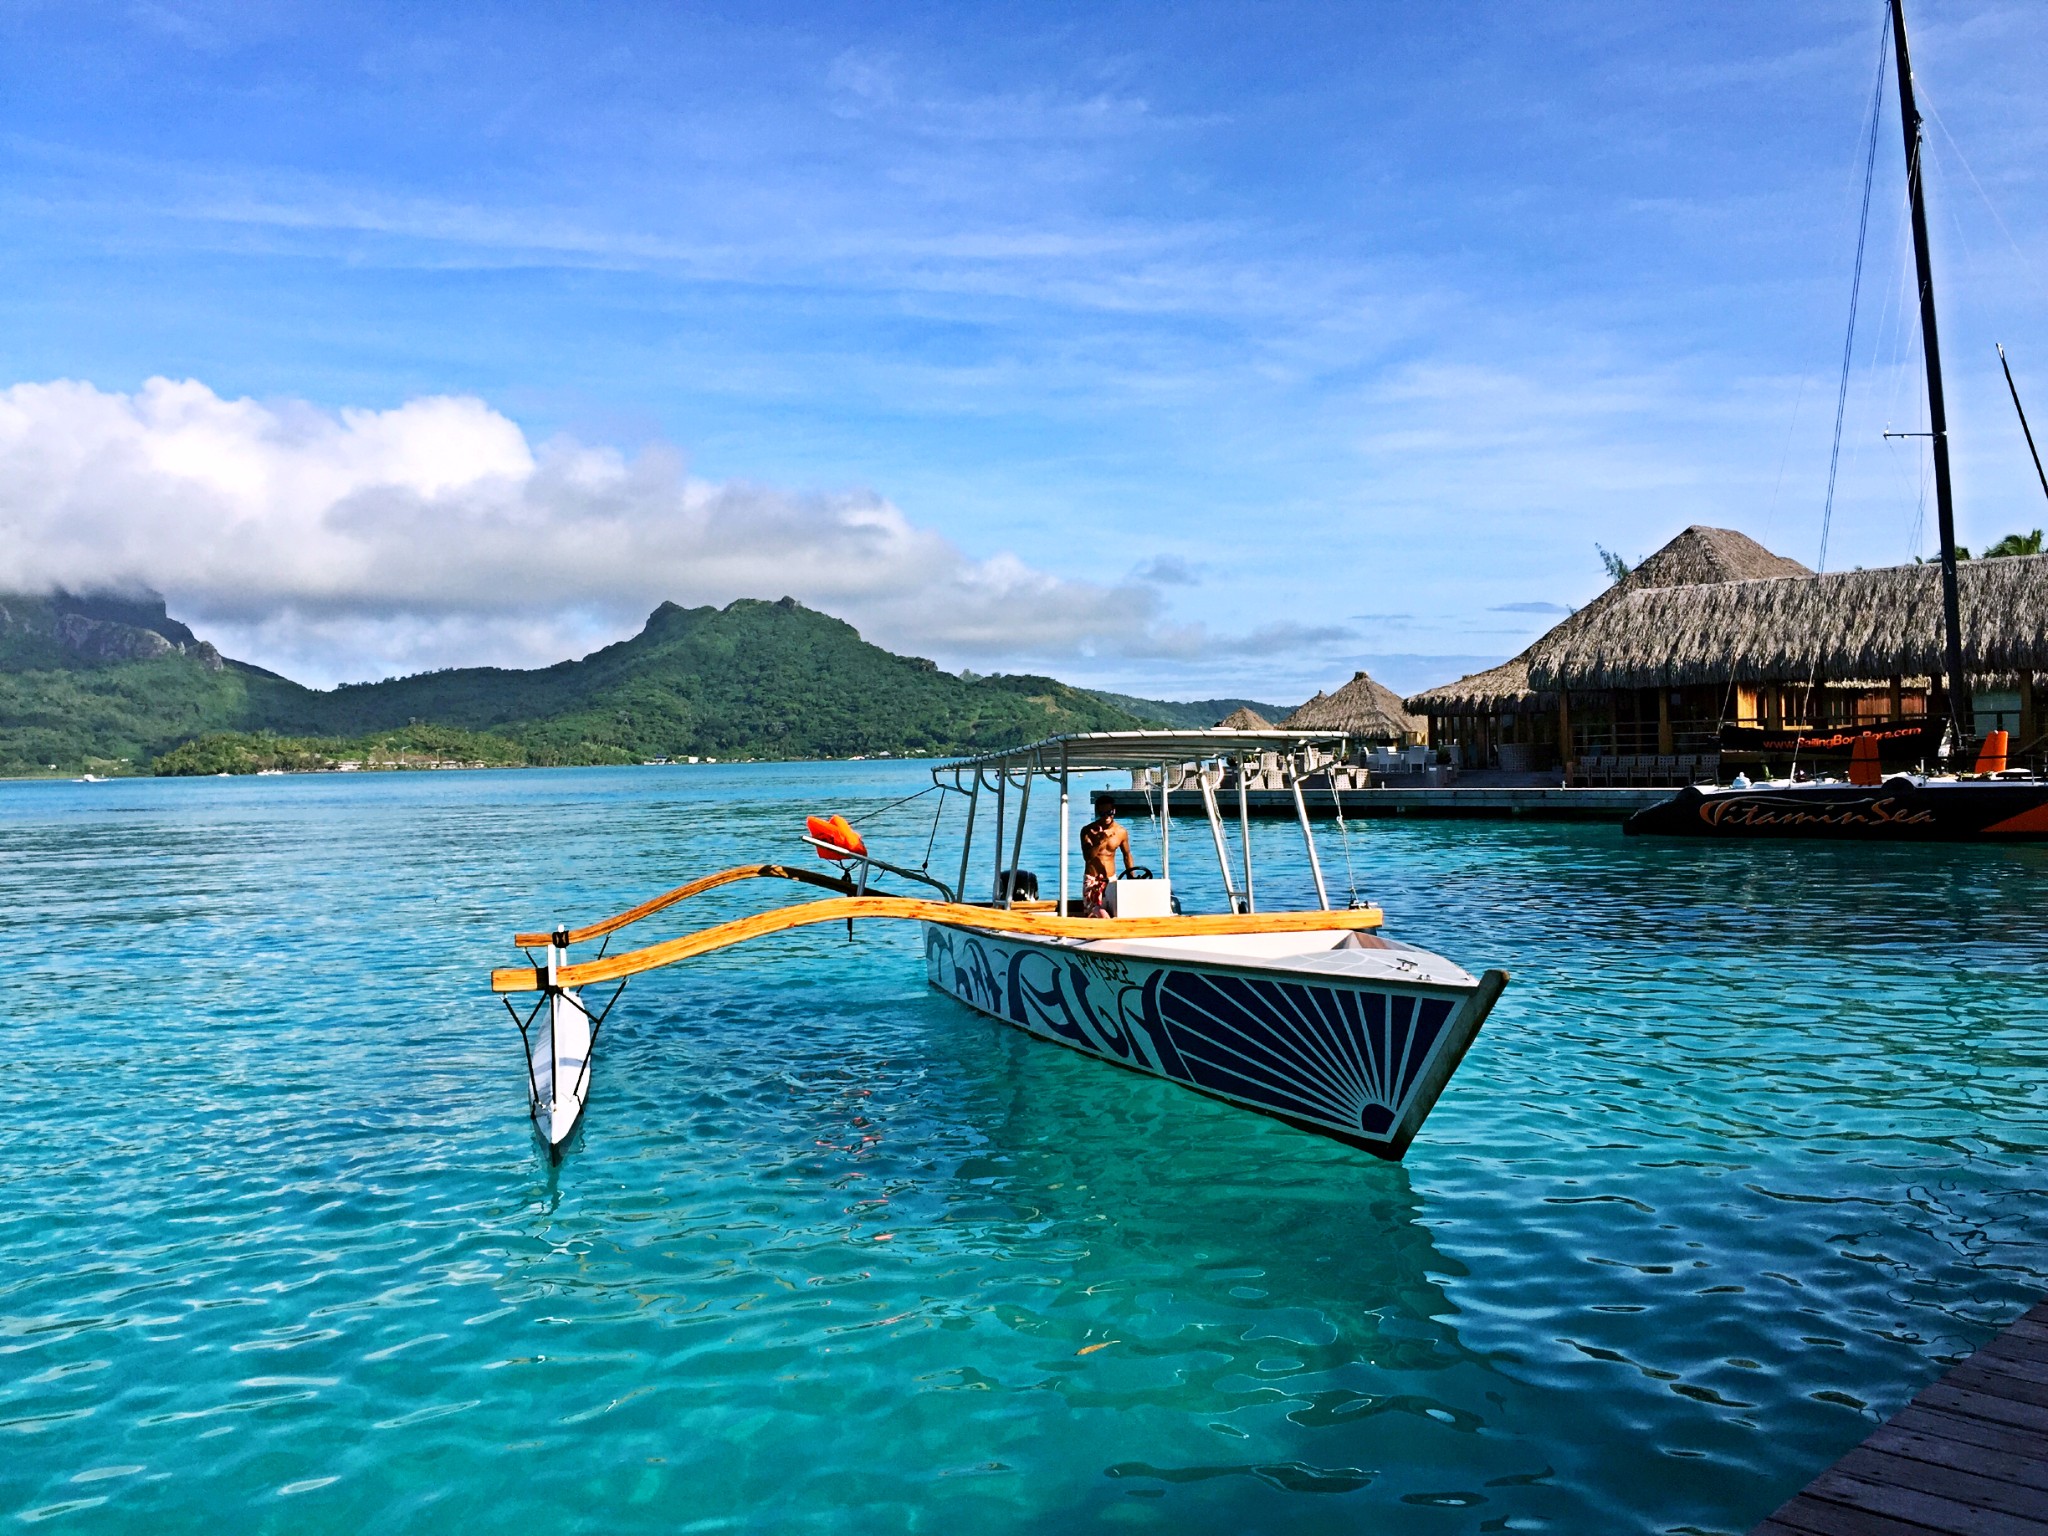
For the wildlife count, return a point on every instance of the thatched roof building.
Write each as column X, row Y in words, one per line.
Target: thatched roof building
column 1715, row 651
column 1699, row 556
column 1506, row 686
column 1244, row 718
column 1363, row 709
column 1846, row 625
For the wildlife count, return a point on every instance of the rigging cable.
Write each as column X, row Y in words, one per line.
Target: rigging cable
column 1343, row 835
column 933, row 841
column 1927, row 107
column 1848, row 348
column 1855, row 295
column 870, row 815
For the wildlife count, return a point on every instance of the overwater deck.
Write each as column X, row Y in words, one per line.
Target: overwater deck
column 1488, row 802
column 1969, row 1454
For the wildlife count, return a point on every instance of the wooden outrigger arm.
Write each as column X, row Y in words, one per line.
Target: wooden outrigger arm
column 527, row 978
column 840, row 883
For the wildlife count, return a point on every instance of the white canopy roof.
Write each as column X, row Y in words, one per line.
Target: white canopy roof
column 1095, row 751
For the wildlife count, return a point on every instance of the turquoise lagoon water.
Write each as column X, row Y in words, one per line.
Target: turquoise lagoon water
column 1750, row 1148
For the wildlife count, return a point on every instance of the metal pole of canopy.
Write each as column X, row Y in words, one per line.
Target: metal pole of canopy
column 1165, row 825
column 1308, row 836
column 1216, row 832
column 1017, row 846
column 1244, row 834
column 1064, row 830
column 1002, row 790
column 967, row 839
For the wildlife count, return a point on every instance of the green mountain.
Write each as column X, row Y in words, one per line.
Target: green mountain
column 112, row 683
column 107, row 682
column 1191, row 714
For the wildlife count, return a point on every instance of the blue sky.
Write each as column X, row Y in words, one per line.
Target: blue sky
column 1186, row 350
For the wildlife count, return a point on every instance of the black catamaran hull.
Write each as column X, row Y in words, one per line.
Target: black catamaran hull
column 1360, row 1062
column 1901, row 809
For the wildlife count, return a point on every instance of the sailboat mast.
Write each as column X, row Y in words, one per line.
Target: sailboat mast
column 2024, row 428
column 1959, row 702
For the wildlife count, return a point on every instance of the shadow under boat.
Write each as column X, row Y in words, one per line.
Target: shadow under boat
column 1343, row 1240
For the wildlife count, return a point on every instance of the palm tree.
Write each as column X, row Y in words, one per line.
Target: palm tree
column 2011, row 544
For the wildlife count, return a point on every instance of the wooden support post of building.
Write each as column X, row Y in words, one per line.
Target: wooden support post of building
column 1565, row 753
column 2030, row 718
column 1897, row 706
column 1664, row 739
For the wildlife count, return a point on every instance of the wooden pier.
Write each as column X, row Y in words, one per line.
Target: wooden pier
column 1490, row 802
column 1968, row 1455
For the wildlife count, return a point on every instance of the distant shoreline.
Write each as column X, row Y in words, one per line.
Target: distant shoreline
column 384, row 769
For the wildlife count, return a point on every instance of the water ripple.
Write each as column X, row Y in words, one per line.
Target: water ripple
column 1748, row 1150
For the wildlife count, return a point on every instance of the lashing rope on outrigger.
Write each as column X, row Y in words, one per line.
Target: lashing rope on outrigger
column 1037, row 924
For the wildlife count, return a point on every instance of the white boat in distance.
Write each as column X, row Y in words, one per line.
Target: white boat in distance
column 1311, row 1017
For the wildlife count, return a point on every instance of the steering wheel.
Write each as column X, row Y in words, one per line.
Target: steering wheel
column 1139, row 872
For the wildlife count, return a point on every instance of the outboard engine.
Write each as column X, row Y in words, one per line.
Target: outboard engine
column 1017, row 885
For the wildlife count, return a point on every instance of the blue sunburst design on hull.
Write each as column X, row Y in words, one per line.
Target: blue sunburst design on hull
column 1353, row 1060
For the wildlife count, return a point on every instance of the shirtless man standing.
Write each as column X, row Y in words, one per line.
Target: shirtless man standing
column 1100, row 840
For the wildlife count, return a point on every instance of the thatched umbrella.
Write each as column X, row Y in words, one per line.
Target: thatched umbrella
column 1244, row 718
column 1363, row 709
column 1699, row 557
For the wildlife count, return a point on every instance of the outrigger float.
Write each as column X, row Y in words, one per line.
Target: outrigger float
column 1311, row 1017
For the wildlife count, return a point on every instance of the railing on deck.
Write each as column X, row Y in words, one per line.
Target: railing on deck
column 1601, row 770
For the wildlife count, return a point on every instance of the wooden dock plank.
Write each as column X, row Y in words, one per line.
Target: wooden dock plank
column 2020, row 1352
column 1998, row 1378
column 1805, row 1516
column 1934, row 1511
column 1967, row 1457
column 1960, row 1455
column 1919, row 1418
column 1980, row 1405
column 1973, row 1489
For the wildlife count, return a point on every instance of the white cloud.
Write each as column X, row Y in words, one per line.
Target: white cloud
column 362, row 542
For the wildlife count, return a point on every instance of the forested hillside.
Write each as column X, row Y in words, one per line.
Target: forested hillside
column 1191, row 714
column 108, row 683
column 113, row 684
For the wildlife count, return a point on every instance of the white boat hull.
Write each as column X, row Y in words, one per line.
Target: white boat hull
column 559, row 1059
column 1353, row 1039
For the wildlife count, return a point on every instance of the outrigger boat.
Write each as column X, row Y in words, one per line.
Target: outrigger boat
column 1311, row 1017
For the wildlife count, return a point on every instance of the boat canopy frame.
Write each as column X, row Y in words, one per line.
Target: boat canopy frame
column 1179, row 756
